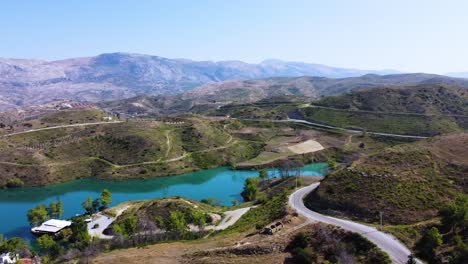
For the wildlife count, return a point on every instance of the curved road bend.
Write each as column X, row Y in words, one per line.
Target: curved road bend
column 395, row 249
column 350, row 130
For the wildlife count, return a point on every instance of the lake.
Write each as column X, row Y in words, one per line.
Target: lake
column 222, row 183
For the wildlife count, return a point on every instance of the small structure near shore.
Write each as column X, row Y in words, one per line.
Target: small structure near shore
column 8, row 258
column 51, row 227
column 273, row 228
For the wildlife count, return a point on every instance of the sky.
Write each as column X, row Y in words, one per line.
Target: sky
column 413, row 36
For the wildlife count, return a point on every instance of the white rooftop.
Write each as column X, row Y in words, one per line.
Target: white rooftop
column 7, row 258
column 52, row 226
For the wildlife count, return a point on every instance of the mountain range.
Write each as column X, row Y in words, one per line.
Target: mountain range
column 122, row 75
column 214, row 95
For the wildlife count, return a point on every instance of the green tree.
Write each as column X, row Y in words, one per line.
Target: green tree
column 88, row 205
column 96, row 205
column 130, row 224
column 197, row 218
column 118, row 230
column 250, row 189
column 263, row 174
column 55, row 209
column 301, row 240
column 332, row 163
column 45, row 243
column 429, row 243
column 14, row 244
column 105, row 198
column 79, row 230
column 37, row 215
column 455, row 215
column 176, row 222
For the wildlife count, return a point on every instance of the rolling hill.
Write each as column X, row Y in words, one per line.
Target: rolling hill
column 408, row 183
column 425, row 109
column 127, row 150
column 214, row 95
column 122, row 75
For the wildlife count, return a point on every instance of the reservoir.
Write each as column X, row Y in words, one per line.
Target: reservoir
column 223, row 184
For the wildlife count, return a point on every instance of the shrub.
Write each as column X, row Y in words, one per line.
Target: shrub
column 14, row 183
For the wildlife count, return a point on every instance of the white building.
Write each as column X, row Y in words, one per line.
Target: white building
column 51, row 226
column 7, row 258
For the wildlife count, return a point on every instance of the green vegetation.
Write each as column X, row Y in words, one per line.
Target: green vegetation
column 408, row 183
column 431, row 240
column 172, row 215
column 334, row 246
column 382, row 122
column 55, row 209
column 250, row 189
column 263, row 174
column 90, row 206
column 420, row 110
column 105, row 198
column 134, row 149
column 14, row 245
column 271, row 207
column 41, row 213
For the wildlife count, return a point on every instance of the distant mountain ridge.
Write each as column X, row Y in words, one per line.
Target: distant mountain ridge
column 122, row 75
column 246, row 91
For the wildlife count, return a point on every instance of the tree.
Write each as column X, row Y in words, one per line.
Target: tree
column 14, row 245
column 79, row 230
column 105, row 198
column 250, row 189
column 455, row 215
column 96, row 205
column 332, row 163
column 88, row 205
column 55, row 209
column 176, row 222
column 197, row 218
column 45, row 243
column 263, row 174
column 130, row 224
column 37, row 215
column 289, row 168
column 429, row 242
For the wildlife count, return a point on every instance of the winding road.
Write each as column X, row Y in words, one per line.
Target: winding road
column 351, row 130
column 395, row 249
column 62, row 126
column 354, row 131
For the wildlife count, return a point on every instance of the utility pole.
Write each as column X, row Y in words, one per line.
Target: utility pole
column 381, row 219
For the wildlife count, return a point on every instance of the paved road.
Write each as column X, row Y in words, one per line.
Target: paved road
column 395, row 249
column 230, row 218
column 354, row 131
column 103, row 221
column 63, row 126
column 351, row 130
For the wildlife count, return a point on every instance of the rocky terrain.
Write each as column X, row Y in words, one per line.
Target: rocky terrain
column 122, row 75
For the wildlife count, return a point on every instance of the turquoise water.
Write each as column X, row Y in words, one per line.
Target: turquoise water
column 221, row 183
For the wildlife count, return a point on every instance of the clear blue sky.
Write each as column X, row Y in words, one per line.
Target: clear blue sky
column 408, row 35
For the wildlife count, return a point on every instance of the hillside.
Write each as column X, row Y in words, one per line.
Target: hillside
column 133, row 149
column 407, row 183
column 215, row 95
column 122, row 75
column 416, row 110
column 421, row 99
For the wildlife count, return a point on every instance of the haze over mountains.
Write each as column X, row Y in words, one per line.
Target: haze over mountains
column 117, row 76
column 247, row 91
column 122, row 75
